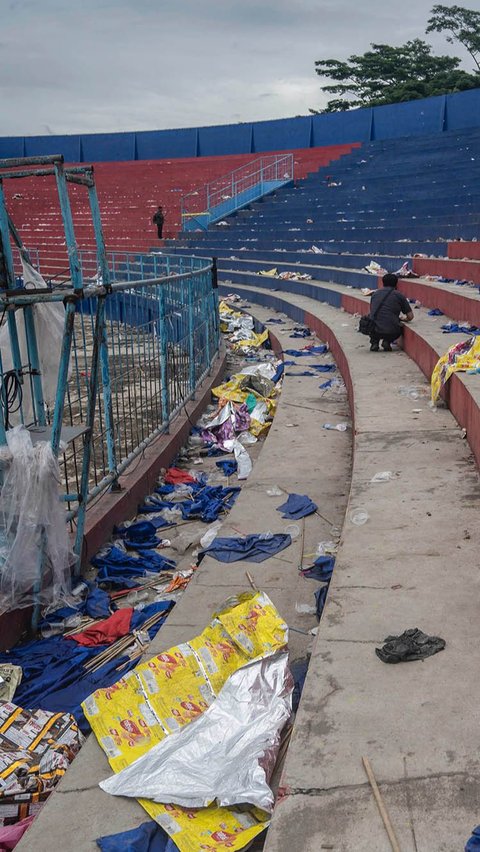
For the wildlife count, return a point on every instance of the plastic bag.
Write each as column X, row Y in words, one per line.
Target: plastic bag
column 34, row 540
column 49, row 319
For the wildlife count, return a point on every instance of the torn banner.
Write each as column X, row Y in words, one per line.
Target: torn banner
column 169, row 691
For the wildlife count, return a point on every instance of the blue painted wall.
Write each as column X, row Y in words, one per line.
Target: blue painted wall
column 416, row 118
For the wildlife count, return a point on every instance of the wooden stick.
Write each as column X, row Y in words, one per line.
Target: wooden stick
column 381, row 805
column 251, row 581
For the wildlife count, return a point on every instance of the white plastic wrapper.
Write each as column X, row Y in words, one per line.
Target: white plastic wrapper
column 49, row 324
column 267, row 370
column 244, row 462
column 32, row 525
column 228, row 754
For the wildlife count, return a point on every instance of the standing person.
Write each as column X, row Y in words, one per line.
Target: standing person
column 386, row 307
column 158, row 220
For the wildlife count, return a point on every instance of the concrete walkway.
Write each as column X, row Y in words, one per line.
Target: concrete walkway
column 413, row 564
column 298, row 456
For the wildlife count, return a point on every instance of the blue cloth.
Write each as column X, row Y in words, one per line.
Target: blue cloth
column 297, row 353
column 327, row 384
column 279, row 373
column 120, row 569
column 148, row 837
column 320, row 598
column 96, row 604
column 206, row 503
column 289, row 363
column 297, row 506
column 318, row 350
column 140, row 616
column 304, row 373
column 322, row 569
column 275, row 320
column 326, row 368
column 473, row 845
column 435, row 312
column 228, row 466
column 252, row 548
column 454, row 328
column 139, row 536
column 301, row 332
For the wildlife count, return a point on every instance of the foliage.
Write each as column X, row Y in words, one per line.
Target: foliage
column 463, row 26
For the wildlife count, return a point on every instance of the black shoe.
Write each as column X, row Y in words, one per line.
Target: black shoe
column 386, row 347
column 374, row 347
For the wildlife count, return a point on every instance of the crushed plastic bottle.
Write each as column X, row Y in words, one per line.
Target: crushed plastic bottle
column 340, row 427
column 383, row 476
column 359, row 517
column 293, row 530
column 326, row 548
column 207, row 539
column 274, row 491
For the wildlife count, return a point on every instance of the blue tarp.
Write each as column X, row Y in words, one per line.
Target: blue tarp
column 320, row 598
column 297, row 506
column 120, row 569
column 252, row 548
column 148, row 837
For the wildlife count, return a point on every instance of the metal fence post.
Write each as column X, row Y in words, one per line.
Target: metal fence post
column 163, row 342
column 191, row 334
column 102, row 334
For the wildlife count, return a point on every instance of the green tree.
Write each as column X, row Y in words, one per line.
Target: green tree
column 463, row 26
column 386, row 74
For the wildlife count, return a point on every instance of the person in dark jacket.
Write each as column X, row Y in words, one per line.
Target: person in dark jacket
column 158, row 220
column 387, row 305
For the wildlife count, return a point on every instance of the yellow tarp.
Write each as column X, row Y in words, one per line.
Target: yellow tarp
column 255, row 341
column 232, row 392
column 459, row 358
column 269, row 273
column 169, row 691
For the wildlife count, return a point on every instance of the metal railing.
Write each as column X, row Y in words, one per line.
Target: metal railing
column 127, row 338
column 228, row 193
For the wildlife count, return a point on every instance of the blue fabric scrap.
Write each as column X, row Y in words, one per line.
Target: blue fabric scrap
column 473, row 844
column 227, row 466
column 119, row 569
column 320, row 598
column 327, row 384
column 252, row 548
column 322, row 569
column 278, row 373
column 435, row 312
column 148, row 837
column 297, row 506
column 303, row 373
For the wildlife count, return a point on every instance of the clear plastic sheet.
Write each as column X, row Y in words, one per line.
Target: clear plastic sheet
column 33, row 532
column 49, row 324
column 228, row 754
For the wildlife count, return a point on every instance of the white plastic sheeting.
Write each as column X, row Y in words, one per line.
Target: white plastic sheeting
column 33, row 531
column 49, row 319
column 244, row 462
column 228, row 754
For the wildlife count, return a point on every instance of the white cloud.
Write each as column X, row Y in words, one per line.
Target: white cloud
column 104, row 65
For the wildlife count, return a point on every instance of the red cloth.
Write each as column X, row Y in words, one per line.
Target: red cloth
column 107, row 631
column 175, row 476
column 10, row 835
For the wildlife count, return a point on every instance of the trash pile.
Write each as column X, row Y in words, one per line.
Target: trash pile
column 285, row 276
column 195, row 732
column 94, row 636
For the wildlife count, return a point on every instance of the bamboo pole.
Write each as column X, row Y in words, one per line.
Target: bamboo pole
column 381, row 805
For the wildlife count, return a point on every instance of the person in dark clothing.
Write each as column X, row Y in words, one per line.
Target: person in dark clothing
column 158, row 220
column 387, row 305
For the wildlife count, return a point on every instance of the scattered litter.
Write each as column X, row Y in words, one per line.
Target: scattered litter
column 292, row 530
column 413, row 644
column 326, row 548
column 473, row 844
column 374, row 268
column 274, row 491
column 383, row 476
column 322, row 569
column 305, row 609
column 359, row 517
column 405, row 271
column 340, row 427
column 435, row 312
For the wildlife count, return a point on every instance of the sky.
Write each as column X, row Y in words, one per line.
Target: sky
column 80, row 66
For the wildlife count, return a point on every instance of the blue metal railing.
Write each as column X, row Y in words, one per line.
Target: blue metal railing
column 222, row 196
column 140, row 332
